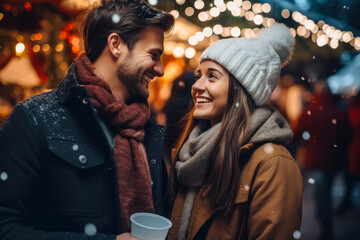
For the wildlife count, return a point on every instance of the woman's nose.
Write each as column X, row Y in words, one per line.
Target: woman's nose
column 198, row 85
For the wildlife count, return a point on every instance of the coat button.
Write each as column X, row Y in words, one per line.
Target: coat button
column 85, row 101
column 152, row 161
column 75, row 147
column 82, row 159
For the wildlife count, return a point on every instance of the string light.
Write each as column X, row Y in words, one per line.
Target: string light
column 246, row 5
column 59, row 47
column 36, row 48
column 178, row 52
column 235, row 32
column 218, row 3
column 74, row 40
column 214, row 12
column 175, row 14
column 249, row 16
column 19, row 38
column 237, row 12
column 207, row 31
column 266, row 8
column 203, row 16
column 180, row 2
column 222, row 8
column 153, row 2
column 231, row 6
column 258, row 19
column 192, row 40
column 190, row 52
column 46, row 48
column 321, row 33
column 198, row 4
column 334, row 43
column 257, row 8
column 199, row 36
column 75, row 49
column 189, row 11
column 38, row 36
column 285, row 13
column 19, row 48
column 217, row 29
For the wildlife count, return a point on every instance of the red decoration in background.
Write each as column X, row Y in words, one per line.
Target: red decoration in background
column 64, row 35
column 69, row 26
column 7, row 7
column 27, row 6
column 37, row 61
column 57, row 3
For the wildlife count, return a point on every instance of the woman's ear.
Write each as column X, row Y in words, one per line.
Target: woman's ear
column 115, row 44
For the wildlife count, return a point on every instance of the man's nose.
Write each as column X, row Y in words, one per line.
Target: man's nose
column 159, row 69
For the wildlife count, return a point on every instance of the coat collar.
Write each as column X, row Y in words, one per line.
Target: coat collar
column 70, row 81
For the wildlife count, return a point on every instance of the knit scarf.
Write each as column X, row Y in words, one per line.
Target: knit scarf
column 192, row 166
column 133, row 175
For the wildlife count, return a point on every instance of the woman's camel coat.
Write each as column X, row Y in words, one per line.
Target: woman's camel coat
column 268, row 204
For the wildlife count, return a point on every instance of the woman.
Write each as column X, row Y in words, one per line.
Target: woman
column 232, row 177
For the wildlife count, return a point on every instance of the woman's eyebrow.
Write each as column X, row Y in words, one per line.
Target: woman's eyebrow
column 214, row 69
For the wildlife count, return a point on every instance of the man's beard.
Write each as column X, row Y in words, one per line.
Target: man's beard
column 133, row 82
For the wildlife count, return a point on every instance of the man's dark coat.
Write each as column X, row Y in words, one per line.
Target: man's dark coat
column 58, row 178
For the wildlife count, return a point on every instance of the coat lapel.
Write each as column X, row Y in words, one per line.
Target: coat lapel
column 202, row 211
column 176, row 214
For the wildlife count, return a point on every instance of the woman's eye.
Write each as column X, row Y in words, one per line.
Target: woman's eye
column 197, row 77
column 212, row 75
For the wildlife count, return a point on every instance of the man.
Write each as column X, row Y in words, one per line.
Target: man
column 72, row 161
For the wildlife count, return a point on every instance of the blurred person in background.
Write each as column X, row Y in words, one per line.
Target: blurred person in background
column 324, row 131
column 352, row 171
column 232, row 177
column 5, row 109
column 5, row 104
column 72, row 161
column 176, row 108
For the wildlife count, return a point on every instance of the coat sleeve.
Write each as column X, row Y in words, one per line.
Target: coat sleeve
column 276, row 200
column 20, row 166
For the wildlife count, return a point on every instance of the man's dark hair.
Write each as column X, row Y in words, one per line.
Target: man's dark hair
column 127, row 18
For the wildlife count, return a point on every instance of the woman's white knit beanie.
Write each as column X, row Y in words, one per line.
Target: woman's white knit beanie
column 255, row 62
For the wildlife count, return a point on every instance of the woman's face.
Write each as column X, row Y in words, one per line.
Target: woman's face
column 210, row 91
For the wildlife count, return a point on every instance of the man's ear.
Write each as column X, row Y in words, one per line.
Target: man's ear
column 115, row 44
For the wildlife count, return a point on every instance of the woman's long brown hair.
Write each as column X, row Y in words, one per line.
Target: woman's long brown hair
column 222, row 180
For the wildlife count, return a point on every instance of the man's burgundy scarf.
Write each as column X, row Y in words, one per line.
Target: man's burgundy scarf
column 133, row 174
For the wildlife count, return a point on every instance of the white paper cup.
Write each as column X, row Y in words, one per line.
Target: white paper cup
column 149, row 226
